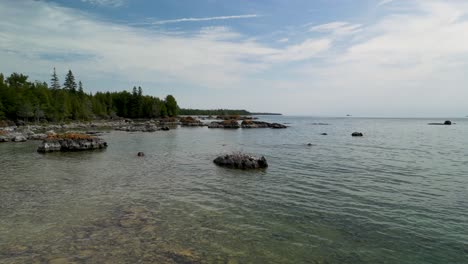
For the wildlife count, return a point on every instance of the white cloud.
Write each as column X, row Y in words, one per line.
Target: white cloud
column 385, row 2
column 199, row 19
column 111, row 3
column 337, row 28
column 301, row 52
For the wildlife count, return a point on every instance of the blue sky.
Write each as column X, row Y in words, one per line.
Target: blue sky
column 323, row 57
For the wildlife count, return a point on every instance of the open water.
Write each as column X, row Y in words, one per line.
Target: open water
column 397, row 195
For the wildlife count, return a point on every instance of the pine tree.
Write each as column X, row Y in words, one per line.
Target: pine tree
column 70, row 83
column 80, row 88
column 54, row 81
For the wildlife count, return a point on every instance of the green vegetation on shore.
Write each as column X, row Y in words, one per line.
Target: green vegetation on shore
column 213, row 112
column 21, row 99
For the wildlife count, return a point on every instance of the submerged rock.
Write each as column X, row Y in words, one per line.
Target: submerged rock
column 447, row 122
column 357, row 134
column 71, row 143
column 141, row 154
column 241, row 161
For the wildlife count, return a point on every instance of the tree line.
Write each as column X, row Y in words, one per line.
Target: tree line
column 21, row 99
column 213, row 112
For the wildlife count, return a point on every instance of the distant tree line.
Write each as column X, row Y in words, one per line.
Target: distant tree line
column 216, row 112
column 21, row 99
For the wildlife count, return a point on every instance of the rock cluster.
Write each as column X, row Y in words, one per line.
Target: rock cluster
column 231, row 123
column 241, row 161
column 191, row 122
column 53, row 144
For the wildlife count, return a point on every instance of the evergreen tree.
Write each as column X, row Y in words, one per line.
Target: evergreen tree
column 2, row 111
column 80, row 88
column 54, row 81
column 171, row 105
column 70, row 83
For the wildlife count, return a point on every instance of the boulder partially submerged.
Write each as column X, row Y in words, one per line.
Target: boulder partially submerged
column 241, row 161
column 71, row 142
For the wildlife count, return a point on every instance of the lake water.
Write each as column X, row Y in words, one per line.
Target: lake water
column 397, row 195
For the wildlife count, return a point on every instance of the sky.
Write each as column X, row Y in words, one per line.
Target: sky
column 381, row 58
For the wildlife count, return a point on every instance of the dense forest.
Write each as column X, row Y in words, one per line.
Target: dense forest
column 37, row 101
column 216, row 112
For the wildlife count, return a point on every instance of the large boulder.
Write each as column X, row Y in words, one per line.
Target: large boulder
column 241, row 161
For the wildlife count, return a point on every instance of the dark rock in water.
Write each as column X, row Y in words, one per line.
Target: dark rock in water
column 357, row 134
column 254, row 124
column 165, row 128
column 141, row 154
column 324, row 134
column 276, row 125
column 241, row 161
column 4, row 139
column 446, row 123
column 66, row 144
column 309, row 144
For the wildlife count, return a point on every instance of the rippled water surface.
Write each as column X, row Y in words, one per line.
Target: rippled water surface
column 397, row 195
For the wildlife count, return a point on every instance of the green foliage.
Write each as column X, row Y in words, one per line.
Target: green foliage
column 54, row 81
column 24, row 100
column 171, row 106
column 70, row 83
column 216, row 112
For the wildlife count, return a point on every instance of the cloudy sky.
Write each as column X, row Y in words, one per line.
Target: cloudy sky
column 299, row 57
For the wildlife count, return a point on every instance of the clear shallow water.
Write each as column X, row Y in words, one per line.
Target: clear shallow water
column 397, row 195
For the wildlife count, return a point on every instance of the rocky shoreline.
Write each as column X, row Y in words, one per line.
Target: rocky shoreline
column 23, row 132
